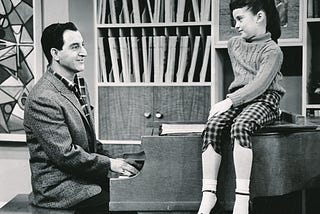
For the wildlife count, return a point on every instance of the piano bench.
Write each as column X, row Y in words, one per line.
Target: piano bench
column 20, row 204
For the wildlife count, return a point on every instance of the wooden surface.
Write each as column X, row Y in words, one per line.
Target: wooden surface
column 171, row 177
column 169, row 180
column 122, row 108
column 20, row 204
column 121, row 112
column 182, row 103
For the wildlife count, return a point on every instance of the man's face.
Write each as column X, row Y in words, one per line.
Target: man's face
column 73, row 53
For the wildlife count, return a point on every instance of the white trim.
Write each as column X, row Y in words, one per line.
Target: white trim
column 96, row 69
column 136, row 142
column 13, row 137
column 313, row 19
column 313, row 106
column 155, row 84
column 37, row 29
column 144, row 25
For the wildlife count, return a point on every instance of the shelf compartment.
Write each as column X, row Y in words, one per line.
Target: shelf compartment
column 164, row 55
column 152, row 11
column 313, row 72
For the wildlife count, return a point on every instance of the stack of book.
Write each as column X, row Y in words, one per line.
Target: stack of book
column 152, row 11
column 181, row 129
column 313, row 113
column 154, row 58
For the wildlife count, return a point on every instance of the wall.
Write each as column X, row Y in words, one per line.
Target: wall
column 52, row 11
column 85, row 24
column 15, row 176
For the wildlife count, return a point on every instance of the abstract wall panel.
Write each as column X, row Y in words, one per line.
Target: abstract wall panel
column 16, row 62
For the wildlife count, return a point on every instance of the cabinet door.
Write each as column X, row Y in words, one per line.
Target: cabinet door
column 181, row 103
column 123, row 112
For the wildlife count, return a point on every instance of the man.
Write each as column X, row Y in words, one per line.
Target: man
column 68, row 166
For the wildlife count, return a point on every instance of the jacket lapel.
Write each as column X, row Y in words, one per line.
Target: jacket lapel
column 70, row 96
column 74, row 100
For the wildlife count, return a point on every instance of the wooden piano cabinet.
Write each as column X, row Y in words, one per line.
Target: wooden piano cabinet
column 170, row 180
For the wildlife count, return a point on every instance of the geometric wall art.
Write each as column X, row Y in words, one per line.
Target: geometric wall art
column 16, row 62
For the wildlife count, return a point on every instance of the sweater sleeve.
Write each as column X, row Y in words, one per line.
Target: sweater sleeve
column 270, row 65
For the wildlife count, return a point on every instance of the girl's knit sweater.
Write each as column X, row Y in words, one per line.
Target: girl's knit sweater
column 256, row 66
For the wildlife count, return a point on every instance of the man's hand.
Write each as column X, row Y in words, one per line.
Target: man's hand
column 220, row 107
column 121, row 166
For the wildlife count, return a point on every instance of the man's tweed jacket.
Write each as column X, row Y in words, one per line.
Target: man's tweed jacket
column 64, row 171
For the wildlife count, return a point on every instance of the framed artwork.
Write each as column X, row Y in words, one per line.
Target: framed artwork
column 290, row 19
column 17, row 64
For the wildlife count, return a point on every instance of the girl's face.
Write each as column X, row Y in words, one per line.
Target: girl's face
column 246, row 22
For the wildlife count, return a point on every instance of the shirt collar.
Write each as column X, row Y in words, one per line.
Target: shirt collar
column 70, row 85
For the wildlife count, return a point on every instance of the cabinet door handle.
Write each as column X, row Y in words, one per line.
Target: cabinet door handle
column 147, row 114
column 159, row 115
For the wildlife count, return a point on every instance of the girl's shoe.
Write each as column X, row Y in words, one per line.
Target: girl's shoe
column 213, row 192
column 250, row 202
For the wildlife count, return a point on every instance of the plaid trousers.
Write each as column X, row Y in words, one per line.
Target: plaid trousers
column 242, row 121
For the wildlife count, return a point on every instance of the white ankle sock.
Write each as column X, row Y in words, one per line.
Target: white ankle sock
column 209, row 199
column 209, row 184
column 242, row 185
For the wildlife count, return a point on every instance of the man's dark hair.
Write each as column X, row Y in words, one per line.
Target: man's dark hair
column 52, row 37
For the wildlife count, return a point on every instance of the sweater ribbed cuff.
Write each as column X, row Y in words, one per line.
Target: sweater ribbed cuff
column 236, row 100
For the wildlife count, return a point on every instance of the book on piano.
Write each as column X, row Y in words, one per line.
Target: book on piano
column 181, row 129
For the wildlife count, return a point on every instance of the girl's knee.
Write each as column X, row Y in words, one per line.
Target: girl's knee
column 240, row 134
column 240, row 127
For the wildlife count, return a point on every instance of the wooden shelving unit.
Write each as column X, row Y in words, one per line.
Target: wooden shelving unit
column 295, row 43
column 146, row 83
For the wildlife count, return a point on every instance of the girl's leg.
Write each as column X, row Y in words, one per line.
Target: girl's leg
column 251, row 119
column 211, row 157
column 242, row 162
column 210, row 167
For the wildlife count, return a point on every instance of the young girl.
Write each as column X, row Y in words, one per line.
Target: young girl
column 252, row 101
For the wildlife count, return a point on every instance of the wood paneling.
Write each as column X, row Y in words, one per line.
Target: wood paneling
column 121, row 112
column 188, row 103
column 122, row 109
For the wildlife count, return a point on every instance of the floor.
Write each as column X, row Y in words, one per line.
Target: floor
column 286, row 204
column 14, row 170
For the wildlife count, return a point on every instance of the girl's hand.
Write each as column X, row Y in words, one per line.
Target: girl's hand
column 220, row 107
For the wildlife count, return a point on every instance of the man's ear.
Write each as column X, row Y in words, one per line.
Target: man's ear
column 55, row 54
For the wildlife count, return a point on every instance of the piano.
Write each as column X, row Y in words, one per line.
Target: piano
column 286, row 159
